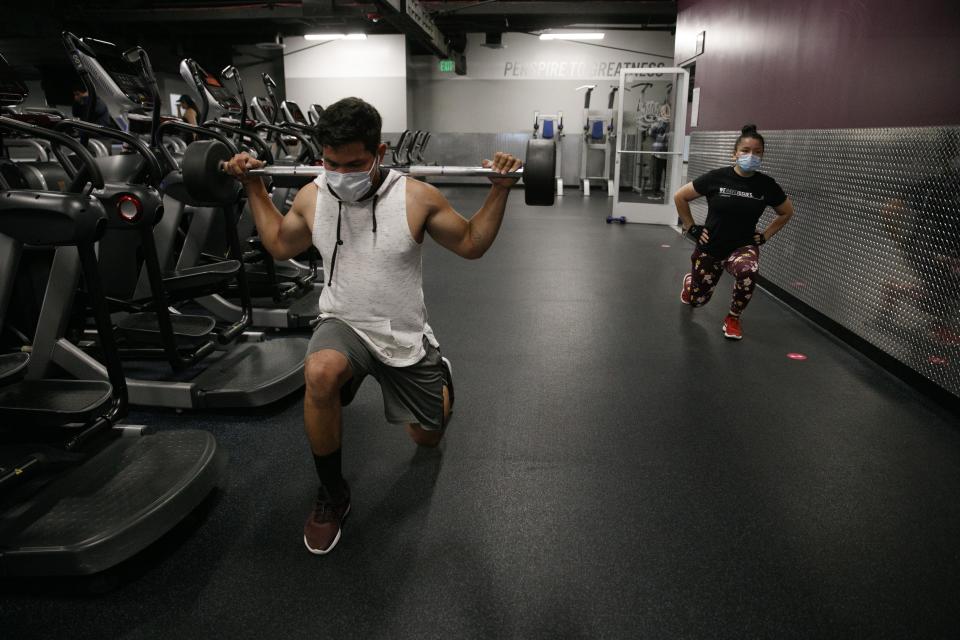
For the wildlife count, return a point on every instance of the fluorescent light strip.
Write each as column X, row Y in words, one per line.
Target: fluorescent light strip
column 335, row 36
column 572, row 36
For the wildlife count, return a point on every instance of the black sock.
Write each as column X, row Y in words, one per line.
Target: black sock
column 331, row 476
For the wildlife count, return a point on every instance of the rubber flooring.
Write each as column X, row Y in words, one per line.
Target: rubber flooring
column 615, row 468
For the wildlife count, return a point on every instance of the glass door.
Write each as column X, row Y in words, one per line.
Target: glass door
column 651, row 125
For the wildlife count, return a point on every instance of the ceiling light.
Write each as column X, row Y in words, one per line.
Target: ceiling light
column 335, row 36
column 596, row 35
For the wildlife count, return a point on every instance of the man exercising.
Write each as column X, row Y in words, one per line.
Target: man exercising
column 369, row 226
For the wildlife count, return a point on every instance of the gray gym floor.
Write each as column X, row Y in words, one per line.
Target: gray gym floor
column 614, row 468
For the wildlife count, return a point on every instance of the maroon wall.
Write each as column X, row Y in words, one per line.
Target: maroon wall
column 822, row 64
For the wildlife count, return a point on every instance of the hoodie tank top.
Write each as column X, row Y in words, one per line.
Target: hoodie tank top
column 374, row 270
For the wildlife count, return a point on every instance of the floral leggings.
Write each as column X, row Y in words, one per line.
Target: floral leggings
column 742, row 264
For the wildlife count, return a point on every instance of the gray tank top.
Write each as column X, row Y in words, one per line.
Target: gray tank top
column 374, row 270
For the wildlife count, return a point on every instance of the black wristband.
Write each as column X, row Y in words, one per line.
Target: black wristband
column 694, row 232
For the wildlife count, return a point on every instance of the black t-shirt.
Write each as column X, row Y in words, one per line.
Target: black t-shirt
column 734, row 205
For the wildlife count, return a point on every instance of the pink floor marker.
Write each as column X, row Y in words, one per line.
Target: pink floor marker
column 937, row 360
column 798, row 284
column 796, row 356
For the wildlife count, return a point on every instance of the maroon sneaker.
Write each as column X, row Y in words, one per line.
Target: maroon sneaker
column 685, row 291
column 321, row 533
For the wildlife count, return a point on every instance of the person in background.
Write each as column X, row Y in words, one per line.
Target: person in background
column 188, row 110
column 660, row 141
column 94, row 110
column 736, row 198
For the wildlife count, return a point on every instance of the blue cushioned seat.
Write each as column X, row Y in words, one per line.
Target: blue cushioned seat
column 596, row 131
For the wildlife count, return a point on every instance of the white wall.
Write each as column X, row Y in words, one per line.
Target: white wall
column 503, row 87
column 252, row 64
column 374, row 69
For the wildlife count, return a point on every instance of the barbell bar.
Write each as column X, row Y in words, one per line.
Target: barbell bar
column 207, row 182
column 418, row 170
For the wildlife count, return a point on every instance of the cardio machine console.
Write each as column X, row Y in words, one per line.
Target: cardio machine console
column 120, row 84
column 217, row 99
column 262, row 110
column 12, row 90
column 292, row 113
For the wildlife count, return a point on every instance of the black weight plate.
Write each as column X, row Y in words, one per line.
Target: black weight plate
column 539, row 173
column 202, row 176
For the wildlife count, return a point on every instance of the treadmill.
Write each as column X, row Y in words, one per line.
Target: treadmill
column 248, row 372
column 288, row 291
column 79, row 492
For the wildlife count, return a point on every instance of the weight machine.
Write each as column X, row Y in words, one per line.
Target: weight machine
column 646, row 116
column 552, row 125
column 660, row 134
column 599, row 134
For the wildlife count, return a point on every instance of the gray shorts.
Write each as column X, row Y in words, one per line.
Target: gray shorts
column 410, row 394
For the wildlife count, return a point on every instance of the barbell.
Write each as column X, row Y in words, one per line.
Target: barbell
column 207, row 182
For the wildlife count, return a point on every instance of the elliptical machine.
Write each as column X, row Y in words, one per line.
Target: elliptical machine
column 313, row 114
column 242, row 368
column 287, row 292
column 84, row 492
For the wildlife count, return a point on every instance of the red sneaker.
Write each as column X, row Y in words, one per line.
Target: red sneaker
column 685, row 291
column 731, row 327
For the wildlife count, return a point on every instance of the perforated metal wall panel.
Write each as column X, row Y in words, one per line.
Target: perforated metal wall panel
column 875, row 241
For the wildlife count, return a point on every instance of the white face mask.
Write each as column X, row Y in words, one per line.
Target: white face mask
column 350, row 187
column 749, row 162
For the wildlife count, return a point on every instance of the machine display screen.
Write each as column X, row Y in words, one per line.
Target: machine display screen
column 12, row 90
column 221, row 94
column 296, row 113
column 127, row 76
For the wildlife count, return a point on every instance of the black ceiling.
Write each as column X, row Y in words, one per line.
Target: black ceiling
column 210, row 28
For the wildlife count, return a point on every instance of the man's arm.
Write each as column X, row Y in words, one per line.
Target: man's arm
column 468, row 238
column 284, row 236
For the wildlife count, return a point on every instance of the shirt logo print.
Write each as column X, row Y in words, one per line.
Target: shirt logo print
column 724, row 191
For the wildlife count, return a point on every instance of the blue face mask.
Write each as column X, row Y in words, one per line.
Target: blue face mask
column 749, row 162
column 350, row 187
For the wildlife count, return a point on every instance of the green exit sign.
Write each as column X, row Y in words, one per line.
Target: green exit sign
column 446, row 66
